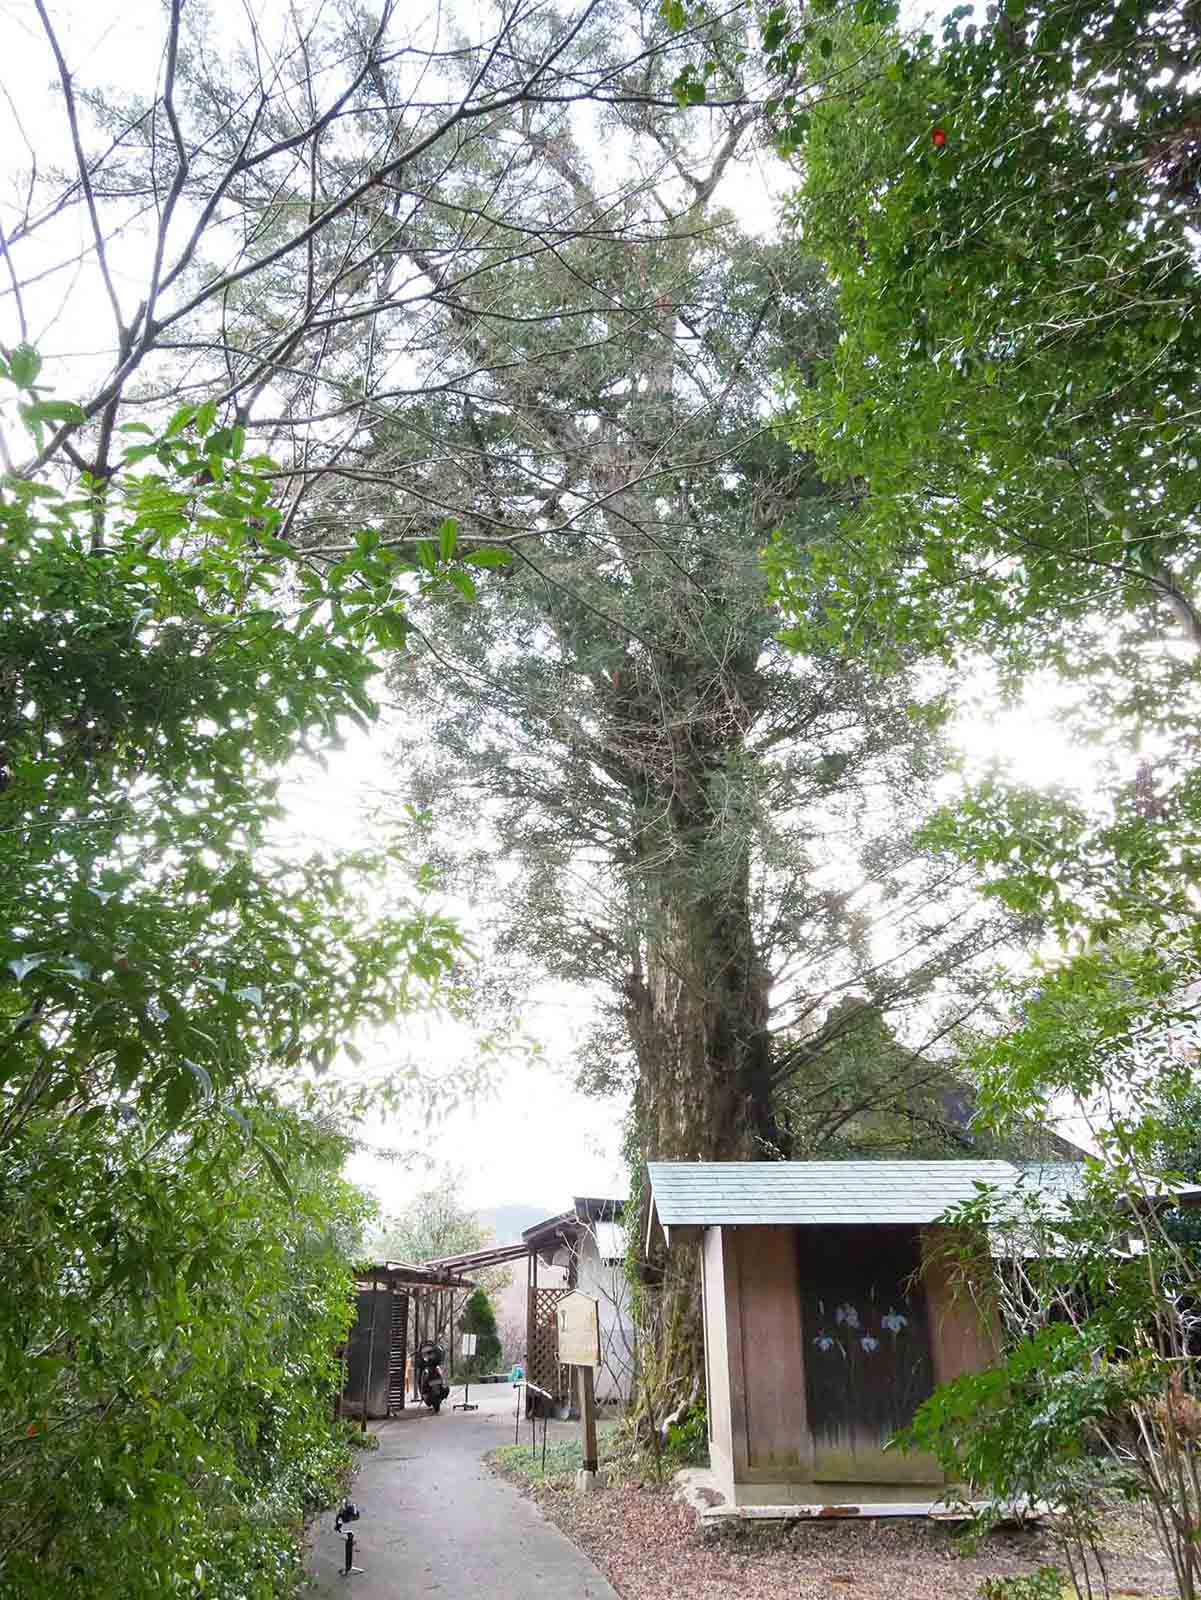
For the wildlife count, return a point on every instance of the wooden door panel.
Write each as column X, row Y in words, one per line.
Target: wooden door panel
column 866, row 1342
column 770, row 1314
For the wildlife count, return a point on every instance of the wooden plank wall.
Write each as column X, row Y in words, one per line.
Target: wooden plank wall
column 398, row 1353
column 868, row 1351
column 367, row 1357
column 775, row 1433
column 963, row 1337
column 755, row 1352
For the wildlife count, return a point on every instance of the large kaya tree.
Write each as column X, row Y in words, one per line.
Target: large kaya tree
column 485, row 278
column 486, row 282
column 707, row 830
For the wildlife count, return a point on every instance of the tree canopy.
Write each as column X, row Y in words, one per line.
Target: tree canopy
column 435, row 1223
column 1006, row 214
column 653, row 779
column 169, row 1317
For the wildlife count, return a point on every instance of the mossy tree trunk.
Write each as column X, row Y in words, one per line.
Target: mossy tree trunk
column 698, row 1012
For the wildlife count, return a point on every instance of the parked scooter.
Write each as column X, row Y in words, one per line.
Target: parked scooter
column 431, row 1385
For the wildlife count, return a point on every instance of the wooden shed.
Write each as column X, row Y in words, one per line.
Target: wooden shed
column 398, row 1307
column 829, row 1316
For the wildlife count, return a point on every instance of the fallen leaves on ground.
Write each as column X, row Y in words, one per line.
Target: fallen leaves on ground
column 650, row 1548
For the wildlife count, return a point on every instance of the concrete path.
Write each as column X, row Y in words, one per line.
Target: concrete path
column 436, row 1521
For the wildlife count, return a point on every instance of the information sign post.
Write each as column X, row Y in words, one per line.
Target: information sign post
column 467, row 1346
column 578, row 1318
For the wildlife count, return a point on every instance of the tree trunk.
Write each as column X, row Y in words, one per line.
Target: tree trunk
column 698, row 1015
column 699, row 1021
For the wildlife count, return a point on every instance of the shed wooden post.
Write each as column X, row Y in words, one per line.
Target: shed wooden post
column 418, row 1321
column 370, row 1359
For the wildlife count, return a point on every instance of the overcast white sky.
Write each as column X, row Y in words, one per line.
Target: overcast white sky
column 534, row 1138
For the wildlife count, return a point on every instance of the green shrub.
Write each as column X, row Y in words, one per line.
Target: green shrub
column 174, row 1230
column 168, row 1323
column 1048, row 1583
column 479, row 1318
column 688, row 1437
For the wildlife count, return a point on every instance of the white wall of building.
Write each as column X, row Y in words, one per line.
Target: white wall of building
column 601, row 1275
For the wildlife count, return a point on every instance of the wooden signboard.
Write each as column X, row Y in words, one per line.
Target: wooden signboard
column 578, row 1319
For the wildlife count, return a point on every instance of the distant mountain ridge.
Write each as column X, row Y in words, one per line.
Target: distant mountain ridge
column 507, row 1223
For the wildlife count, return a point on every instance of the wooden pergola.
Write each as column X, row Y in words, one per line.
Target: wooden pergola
column 557, row 1236
column 542, row 1367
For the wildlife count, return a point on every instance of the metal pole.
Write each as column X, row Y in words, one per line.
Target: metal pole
column 535, row 1388
column 531, row 1314
column 340, row 1527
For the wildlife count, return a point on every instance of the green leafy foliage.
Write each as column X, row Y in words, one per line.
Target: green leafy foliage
column 981, row 1426
column 688, row 1437
column 620, row 1460
column 479, row 1318
column 1092, row 1397
column 1048, row 1583
column 174, row 1237
column 154, row 946
column 1179, row 1152
column 1006, row 214
column 865, row 1094
column 435, row 1223
column 168, row 1326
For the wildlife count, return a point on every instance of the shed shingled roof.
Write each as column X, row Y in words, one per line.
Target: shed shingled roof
column 697, row 1194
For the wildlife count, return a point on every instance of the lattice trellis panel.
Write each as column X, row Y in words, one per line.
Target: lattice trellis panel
column 542, row 1344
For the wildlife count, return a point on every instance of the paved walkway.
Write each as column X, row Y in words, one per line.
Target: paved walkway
column 436, row 1521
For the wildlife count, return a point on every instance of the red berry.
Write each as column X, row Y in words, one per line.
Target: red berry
column 939, row 136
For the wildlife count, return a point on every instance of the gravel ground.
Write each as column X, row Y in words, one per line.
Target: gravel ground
column 649, row 1547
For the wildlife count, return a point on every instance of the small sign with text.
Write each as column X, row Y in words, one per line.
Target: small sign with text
column 578, row 1319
